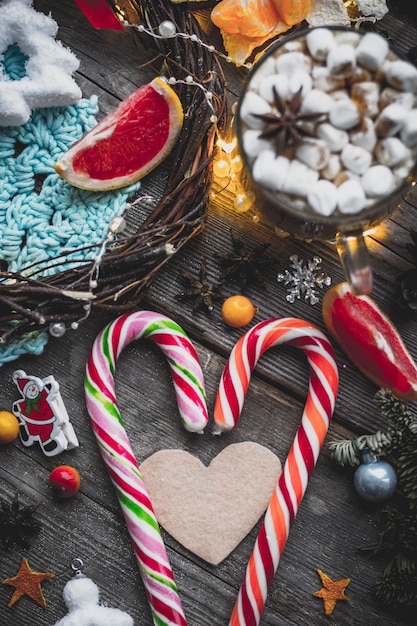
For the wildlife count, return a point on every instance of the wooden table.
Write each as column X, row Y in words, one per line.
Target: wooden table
column 332, row 521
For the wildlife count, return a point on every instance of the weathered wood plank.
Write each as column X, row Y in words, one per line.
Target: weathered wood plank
column 332, row 520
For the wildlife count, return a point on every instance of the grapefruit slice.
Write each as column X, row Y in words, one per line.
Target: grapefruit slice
column 370, row 340
column 128, row 143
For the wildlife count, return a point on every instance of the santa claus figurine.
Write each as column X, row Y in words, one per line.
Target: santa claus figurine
column 42, row 414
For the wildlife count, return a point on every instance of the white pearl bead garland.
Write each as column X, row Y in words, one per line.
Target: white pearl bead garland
column 168, row 30
column 117, row 225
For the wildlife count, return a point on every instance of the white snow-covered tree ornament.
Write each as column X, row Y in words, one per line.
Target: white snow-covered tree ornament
column 47, row 80
column 81, row 595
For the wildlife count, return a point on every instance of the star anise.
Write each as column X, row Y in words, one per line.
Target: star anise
column 17, row 523
column 286, row 126
column 200, row 290
column 245, row 265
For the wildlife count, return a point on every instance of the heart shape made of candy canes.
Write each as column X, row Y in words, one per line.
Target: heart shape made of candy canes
column 123, row 468
column 197, row 504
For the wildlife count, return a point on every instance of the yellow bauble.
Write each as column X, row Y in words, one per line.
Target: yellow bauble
column 9, row 427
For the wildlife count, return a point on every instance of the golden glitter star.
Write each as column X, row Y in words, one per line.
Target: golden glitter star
column 28, row 583
column 331, row 591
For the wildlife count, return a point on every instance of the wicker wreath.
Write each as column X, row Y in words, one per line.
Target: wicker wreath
column 30, row 302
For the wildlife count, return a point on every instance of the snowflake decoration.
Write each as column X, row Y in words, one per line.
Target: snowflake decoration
column 304, row 279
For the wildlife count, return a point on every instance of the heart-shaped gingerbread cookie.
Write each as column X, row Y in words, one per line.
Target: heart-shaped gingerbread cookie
column 209, row 510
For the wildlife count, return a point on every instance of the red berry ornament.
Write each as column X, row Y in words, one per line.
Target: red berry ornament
column 64, row 481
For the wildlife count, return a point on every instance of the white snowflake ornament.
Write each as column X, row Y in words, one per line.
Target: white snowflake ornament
column 303, row 280
column 48, row 70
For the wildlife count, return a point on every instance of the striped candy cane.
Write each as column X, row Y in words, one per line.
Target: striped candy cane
column 302, row 457
column 116, row 450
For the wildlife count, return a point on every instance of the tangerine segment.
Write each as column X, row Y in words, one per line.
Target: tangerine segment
column 251, row 18
column 293, row 11
column 128, row 143
column 370, row 340
column 239, row 47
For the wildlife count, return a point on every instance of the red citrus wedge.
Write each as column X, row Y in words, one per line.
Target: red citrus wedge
column 128, row 143
column 370, row 340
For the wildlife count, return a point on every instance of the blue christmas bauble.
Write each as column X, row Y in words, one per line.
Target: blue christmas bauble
column 374, row 480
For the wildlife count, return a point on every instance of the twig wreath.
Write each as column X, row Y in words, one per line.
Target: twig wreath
column 116, row 280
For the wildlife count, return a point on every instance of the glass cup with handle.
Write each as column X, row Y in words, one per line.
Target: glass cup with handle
column 327, row 129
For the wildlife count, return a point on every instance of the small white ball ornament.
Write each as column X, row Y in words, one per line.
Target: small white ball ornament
column 57, row 329
column 117, row 224
column 167, row 29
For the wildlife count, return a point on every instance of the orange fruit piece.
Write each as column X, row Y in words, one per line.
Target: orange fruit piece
column 293, row 11
column 9, row 427
column 370, row 340
column 246, row 25
column 128, row 143
column 252, row 18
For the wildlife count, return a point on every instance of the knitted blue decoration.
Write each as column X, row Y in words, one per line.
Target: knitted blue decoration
column 41, row 215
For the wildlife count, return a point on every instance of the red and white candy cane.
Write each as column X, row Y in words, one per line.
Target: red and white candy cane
column 302, row 457
column 116, row 450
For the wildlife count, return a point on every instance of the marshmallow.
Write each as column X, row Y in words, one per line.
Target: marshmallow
column 356, row 159
column 270, row 170
column 299, row 178
column 266, row 68
column 391, row 151
column 323, row 81
column 300, row 80
column 279, row 82
column 390, row 120
column 344, row 114
column 402, row 75
column 322, row 197
column 293, row 62
column 253, row 144
column 319, row 43
column 313, row 152
column 336, row 138
column 365, row 135
column 377, row 181
column 389, row 95
column 345, row 175
column 360, row 75
column 366, row 95
column 350, row 197
column 294, row 45
column 340, row 94
column 347, row 37
column 332, row 168
column 372, row 50
column 409, row 130
column 316, row 102
column 253, row 104
column 341, row 61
